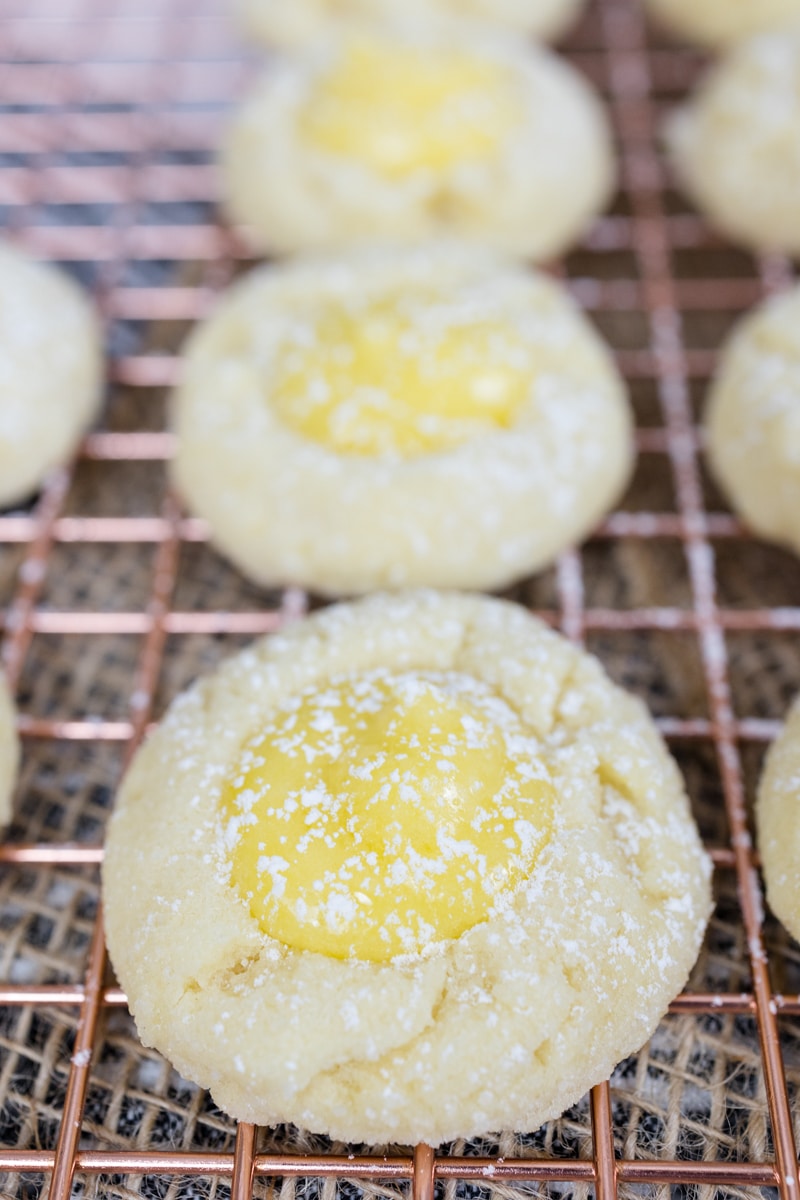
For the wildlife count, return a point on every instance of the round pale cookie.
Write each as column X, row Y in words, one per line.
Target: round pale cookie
column 778, row 823
column 416, row 130
column 399, row 417
column 753, row 419
column 281, row 24
column 720, row 22
column 9, row 751
column 410, row 870
column 736, row 144
column 50, row 371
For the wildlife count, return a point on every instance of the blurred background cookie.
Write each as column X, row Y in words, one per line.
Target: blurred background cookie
column 736, row 143
column 50, row 371
column 9, row 751
column 753, row 419
column 287, row 24
column 396, row 417
column 778, row 820
column 415, row 130
column 717, row 23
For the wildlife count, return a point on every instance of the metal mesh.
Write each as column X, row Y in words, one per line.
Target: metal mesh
column 113, row 601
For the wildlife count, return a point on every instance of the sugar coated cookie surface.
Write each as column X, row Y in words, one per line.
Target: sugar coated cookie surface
column 736, row 144
column 399, row 417
column 50, row 371
column 412, row 869
column 282, row 24
column 417, row 130
column 9, row 751
column 720, row 22
column 778, row 823
column 753, row 419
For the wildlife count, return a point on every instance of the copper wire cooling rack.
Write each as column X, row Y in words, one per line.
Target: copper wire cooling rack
column 113, row 600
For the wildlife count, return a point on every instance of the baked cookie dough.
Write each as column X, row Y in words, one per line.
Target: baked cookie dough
column 416, row 130
column 753, row 419
column 736, row 144
column 399, row 417
column 720, row 22
column 410, row 870
column 50, row 371
column 9, row 751
column 778, row 823
column 280, row 24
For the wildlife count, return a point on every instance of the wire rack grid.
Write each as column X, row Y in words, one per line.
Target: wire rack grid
column 112, row 600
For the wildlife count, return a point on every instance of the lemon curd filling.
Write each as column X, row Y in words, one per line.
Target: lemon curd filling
column 385, row 813
column 403, row 109
column 384, row 381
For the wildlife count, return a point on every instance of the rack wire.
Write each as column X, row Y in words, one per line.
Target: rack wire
column 113, row 600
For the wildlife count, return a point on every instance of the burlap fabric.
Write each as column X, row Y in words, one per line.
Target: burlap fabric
column 695, row 1092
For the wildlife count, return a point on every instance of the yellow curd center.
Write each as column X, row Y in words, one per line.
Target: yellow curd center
column 385, row 813
column 385, row 382
column 402, row 109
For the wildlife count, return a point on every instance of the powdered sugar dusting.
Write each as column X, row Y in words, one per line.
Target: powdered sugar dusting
column 383, row 812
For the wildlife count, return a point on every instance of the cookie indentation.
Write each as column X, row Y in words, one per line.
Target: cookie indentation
column 389, row 381
column 385, row 813
column 407, row 109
